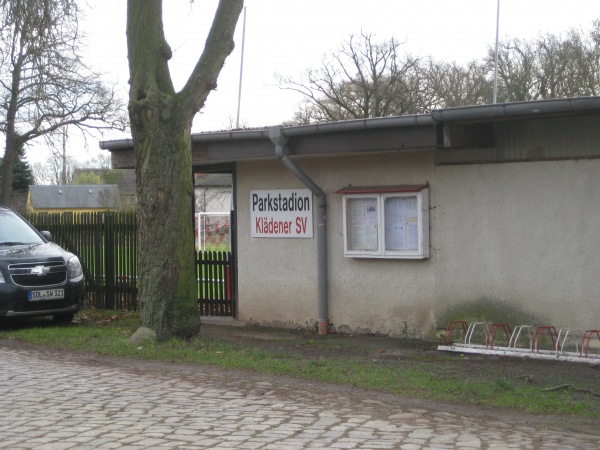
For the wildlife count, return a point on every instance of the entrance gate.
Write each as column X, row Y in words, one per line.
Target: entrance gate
column 215, row 275
column 215, row 231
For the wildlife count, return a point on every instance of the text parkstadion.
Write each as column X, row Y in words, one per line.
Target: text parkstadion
column 283, row 213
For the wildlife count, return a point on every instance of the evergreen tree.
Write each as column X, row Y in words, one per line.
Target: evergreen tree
column 22, row 173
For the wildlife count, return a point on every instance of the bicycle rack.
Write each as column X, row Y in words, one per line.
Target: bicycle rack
column 539, row 332
column 491, row 336
column 565, row 334
column 471, row 330
column 516, row 334
column 569, row 344
column 586, row 345
column 450, row 328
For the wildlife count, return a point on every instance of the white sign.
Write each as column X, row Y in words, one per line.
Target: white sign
column 283, row 213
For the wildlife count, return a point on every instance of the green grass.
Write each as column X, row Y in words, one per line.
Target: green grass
column 107, row 333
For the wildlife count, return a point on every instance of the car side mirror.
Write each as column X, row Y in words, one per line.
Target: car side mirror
column 47, row 235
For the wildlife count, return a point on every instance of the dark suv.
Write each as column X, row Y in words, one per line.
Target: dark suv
column 37, row 277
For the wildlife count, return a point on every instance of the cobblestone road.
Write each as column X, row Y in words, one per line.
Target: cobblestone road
column 60, row 402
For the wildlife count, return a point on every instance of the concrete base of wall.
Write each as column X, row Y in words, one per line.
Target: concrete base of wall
column 229, row 321
column 522, row 353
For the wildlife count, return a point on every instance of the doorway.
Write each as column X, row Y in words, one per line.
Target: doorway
column 215, row 239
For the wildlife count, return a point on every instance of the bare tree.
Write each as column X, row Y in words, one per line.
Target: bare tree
column 590, row 59
column 450, row 85
column 517, row 71
column 367, row 79
column 161, row 121
column 549, row 66
column 44, row 84
column 52, row 172
column 40, row 174
column 362, row 79
column 231, row 123
column 99, row 161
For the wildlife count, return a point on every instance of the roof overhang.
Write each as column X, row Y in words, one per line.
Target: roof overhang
column 442, row 127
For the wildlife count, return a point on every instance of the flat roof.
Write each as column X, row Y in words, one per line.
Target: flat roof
column 408, row 132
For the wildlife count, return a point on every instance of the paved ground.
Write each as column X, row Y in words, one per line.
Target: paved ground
column 58, row 401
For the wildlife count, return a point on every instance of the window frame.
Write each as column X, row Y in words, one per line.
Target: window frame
column 421, row 192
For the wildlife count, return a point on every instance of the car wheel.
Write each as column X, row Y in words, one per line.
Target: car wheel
column 63, row 317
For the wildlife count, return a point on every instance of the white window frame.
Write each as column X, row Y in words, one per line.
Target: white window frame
column 422, row 250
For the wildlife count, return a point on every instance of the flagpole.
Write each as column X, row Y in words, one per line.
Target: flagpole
column 237, row 121
column 496, row 60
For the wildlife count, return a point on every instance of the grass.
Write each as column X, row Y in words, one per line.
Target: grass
column 107, row 333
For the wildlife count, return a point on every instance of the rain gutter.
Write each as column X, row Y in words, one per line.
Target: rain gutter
column 293, row 131
column 281, row 151
column 500, row 111
column 481, row 113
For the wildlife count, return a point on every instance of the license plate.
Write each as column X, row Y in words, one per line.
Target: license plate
column 46, row 294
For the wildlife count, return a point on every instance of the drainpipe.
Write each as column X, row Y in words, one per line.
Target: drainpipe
column 280, row 142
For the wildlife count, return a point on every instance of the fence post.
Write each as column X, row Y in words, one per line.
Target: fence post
column 109, row 258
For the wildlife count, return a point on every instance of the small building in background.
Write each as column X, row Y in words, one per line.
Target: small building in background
column 124, row 179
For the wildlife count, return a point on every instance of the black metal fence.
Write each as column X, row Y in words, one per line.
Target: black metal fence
column 106, row 245
column 215, row 283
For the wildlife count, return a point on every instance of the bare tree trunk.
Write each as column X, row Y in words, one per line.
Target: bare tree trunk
column 161, row 121
column 11, row 144
column 166, row 244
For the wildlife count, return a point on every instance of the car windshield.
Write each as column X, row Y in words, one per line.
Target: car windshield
column 14, row 231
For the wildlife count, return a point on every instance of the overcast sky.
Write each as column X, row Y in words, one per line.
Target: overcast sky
column 288, row 36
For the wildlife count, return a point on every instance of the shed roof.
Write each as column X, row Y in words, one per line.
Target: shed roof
column 92, row 196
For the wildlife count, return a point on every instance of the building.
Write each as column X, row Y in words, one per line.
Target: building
column 124, row 179
column 396, row 225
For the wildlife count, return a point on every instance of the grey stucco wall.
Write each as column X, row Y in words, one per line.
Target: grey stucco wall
column 518, row 238
column 277, row 277
column 522, row 237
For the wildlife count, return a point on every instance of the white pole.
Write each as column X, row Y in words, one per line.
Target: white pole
column 496, row 61
column 64, row 155
column 237, row 121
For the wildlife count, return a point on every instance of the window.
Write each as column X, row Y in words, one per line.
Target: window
column 386, row 222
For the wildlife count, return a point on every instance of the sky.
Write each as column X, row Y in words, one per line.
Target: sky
column 289, row 36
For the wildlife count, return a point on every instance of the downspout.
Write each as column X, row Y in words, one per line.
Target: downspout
column 280, row 142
